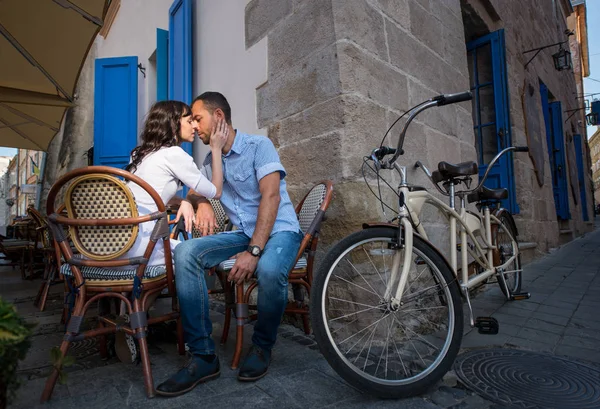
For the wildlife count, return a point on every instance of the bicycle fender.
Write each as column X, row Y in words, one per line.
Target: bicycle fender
column 395, row 226
column 498, row 212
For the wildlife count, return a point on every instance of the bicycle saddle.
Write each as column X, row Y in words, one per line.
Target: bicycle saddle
column 447, row 171
column 484, row 194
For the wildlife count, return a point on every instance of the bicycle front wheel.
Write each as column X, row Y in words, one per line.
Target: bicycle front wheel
column 386, row 352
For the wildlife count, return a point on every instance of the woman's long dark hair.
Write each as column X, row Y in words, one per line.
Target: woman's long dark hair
column 161, row 129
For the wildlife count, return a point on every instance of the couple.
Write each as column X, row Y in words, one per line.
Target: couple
column 248, row 178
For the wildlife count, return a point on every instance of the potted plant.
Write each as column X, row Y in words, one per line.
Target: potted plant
column 15, row 340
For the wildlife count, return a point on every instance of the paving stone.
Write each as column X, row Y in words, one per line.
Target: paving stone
column 539, row 336
column 443, row 398
column 318, row 389
column 553, row 319
column 589, row 355
column 528, row 344
column 537, row 324
column 559, row 311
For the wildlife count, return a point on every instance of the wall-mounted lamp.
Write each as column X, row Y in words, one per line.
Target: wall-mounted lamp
column 562, row 59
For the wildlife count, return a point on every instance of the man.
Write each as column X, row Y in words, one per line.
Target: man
column 265, row 245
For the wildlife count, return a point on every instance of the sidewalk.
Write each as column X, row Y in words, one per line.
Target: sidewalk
column 560, row 318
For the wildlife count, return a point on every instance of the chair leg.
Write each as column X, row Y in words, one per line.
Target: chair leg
column 306, row 324
column 180, row 337
column 229, row 297
column 51, row 381
column 102, row 346
column 242, row 316
column 144, row 354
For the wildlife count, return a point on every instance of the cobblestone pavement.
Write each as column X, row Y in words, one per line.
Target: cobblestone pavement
column 560, row 318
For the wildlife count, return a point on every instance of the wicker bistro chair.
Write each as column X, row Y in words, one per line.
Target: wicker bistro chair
column 311, row 212
column 103, row 223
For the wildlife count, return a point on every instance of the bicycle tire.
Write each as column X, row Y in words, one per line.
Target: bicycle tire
column 450, row 292
column 505, row 248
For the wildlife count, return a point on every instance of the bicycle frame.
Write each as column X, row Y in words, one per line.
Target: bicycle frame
column 469, row 225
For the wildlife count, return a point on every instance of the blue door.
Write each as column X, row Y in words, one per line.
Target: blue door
column 488, row 76
column 115, row 110
column 581, row 175
column 162, row 64
column 556, row 152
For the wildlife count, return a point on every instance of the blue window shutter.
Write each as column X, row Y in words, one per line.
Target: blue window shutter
column 581, row 176
column 162, row 64
column 180, row 57
column 115, row 110
column 556, row 152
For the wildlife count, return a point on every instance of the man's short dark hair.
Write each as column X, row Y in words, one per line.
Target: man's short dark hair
column 213, row 100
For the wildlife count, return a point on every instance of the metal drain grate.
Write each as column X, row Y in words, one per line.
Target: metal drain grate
column 529, row 380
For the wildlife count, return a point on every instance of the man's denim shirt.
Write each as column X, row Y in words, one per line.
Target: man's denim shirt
column 251, row 158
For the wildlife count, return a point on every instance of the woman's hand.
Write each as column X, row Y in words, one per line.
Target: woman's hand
column 219, row 135
column 187, row 211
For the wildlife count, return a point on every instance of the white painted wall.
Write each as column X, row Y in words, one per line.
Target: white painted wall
column 220, row 59
column 133, row 33
column 222, row 63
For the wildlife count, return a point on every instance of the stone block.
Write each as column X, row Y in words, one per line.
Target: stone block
column 396, row 10
column 365, row 125
column 321, row 118
column 464, row 126
column 359, row 22
column 413, row 57
column 447, row 13
column 313, row 159
column 371, row 77
column 316, row 80
column 445, row 148
column 454, row 49
column 442, row 119
column 426, row 27
column 262, row 15
column 307, row 30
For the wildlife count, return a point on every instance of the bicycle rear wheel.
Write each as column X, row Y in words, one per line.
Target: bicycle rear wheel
column 384, row 352
column 502, row 237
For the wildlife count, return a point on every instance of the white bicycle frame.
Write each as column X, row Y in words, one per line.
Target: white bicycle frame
column 468, row 224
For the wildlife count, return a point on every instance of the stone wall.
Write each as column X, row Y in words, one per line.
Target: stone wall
column 340, row 72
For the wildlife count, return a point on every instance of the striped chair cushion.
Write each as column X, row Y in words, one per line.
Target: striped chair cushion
column 98, row 273
column 228, row 264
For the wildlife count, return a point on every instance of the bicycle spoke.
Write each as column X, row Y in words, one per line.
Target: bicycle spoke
column 356, row 285
column 354, row 313
column 374, row 266
column 360, row 274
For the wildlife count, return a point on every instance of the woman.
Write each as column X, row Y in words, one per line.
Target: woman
column 163, row 164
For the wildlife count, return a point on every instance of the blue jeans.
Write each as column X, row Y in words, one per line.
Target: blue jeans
column 194, row 257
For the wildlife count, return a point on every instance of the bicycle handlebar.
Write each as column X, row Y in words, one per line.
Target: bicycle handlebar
column 440, row 100
column 446, row 99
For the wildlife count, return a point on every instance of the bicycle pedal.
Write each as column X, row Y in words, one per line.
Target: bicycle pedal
column 487, row 325
column 520, row 296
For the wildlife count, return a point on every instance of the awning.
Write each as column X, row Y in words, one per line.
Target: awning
column 43, row 45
